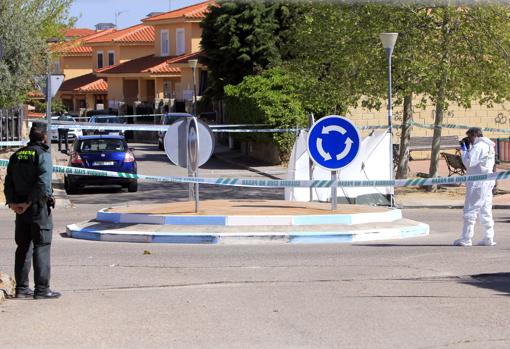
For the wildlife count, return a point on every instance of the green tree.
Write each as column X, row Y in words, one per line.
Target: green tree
column 26, row 27
column 270, row 98
column 444, row 53
column 243, row 38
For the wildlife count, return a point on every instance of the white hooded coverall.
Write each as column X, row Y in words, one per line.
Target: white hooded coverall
column 479, row 160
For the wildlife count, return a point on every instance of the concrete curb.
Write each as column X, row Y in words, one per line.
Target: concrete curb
column 412, row 207
column 237, row 220
column 310, row 237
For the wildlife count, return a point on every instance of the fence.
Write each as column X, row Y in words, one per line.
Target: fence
column 11, row 127
column 503, row 149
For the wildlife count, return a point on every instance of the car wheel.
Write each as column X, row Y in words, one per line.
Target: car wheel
column 133, row 187
column 70, row 187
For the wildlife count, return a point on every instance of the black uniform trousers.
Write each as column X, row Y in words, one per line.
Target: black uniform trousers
column 33, row 235
column 63, row 135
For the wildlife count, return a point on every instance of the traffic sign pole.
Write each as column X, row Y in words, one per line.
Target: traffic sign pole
column 310, row 161
column 193, row 146
column 48, row 108
column 334, row 196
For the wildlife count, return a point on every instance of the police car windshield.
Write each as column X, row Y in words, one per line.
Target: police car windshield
column 171, row 118
column 65, row 118
column 101, row 145
column 106, row 119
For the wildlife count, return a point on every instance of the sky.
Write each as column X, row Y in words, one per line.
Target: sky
column 91, row 12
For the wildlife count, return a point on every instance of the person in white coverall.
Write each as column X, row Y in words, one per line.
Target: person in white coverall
column 478, row 156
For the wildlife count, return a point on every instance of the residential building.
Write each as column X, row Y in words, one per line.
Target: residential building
column 113, row 47
column 75, row 33
column 81, row 88
column 163, row 77
column 74, row 58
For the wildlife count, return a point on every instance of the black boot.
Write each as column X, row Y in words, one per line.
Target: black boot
column 24, row 293
column 48, row 294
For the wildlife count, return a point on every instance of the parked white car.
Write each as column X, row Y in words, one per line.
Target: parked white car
column 73, row 132
column 168, row 119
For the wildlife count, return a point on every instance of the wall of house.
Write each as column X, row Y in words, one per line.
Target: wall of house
column 115, row 89
column 159, row 88
column 90, row 100
column 74, row 66
column 128, row 53
column 105, row 49
column 192, row 35
column 196, row 36
column 185, row 88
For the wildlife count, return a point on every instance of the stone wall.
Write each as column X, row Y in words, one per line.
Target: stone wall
column 7, row 286
column 482, row 116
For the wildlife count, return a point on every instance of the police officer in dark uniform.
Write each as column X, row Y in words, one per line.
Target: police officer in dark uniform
column 28, row 192
column 63, row 133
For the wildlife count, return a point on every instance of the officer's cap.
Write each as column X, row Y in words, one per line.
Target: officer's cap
column 38, row 131
column 39, row 126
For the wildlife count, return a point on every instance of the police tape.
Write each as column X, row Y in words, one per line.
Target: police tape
column 281, row 183
column 156, row 128
column 234, row 127
column 231, row 129
column 164, row 128
column 108, row 116
column 455, row 126
column 13, row 143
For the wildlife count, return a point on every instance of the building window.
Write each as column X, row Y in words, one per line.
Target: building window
column 111, row 58
column 180, row 47
column 99, row 60
column 165, row 43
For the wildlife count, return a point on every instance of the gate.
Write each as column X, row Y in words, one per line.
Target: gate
column 11, row 127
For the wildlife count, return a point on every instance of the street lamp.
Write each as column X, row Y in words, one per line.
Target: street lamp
column 388, row 41
column 193, row 64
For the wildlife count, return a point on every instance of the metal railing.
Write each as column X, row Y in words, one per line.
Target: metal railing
column 11, row 127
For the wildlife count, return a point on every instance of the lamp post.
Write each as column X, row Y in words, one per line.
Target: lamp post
column 193, row 64
column 388, row 41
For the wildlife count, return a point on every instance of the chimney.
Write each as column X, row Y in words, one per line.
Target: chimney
column 104, row 26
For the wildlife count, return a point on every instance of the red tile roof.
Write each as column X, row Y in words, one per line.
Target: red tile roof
column 36, row 95
column 34, row 115
column 183, row 59
column 197, row 11
column 85, row 83
column 148, row 64
column 79, row 46
column 134, row 34
column 78, row 32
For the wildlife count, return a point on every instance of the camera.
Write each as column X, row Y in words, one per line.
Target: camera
column 465, row 142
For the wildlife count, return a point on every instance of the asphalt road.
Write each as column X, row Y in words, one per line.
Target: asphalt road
column 152, row 161
column 413, row 293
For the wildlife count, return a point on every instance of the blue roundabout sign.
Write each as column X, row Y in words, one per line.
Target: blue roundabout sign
column 333, row 142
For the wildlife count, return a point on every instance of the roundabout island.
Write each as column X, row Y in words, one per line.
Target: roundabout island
column 247, row 222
